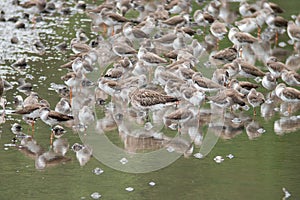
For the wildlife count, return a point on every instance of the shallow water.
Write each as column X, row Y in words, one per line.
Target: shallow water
column 259, row 169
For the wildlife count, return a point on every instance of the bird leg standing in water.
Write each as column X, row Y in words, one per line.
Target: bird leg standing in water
column 32, row 127
column 104, row 28
column 254, row 111
column 276, row 38
column 113, row 31
column 71, row 95
column 258, row 32
column 51, row 139
column 289, row 109
column 31, row 122
column 218, row 43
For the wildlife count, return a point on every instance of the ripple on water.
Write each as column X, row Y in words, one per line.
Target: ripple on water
column 123, row 161
column 98, row 171
column 96, row 195
column 43, row 29
column 129, row 189
column 230, row 156
column 218, row 159
column 151, row 183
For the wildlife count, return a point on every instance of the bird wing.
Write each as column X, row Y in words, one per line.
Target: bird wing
column 291, row 93
column 245, row 37
column 27, row 109
column 59, row 116
column 153, row 58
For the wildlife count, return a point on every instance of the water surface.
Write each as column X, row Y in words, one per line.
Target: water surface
column 259, row 170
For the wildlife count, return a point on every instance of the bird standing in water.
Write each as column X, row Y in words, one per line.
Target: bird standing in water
column 52, row 118
column 146, row 100
column 255, row 99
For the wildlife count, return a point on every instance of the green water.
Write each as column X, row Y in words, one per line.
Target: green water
column 259, row 170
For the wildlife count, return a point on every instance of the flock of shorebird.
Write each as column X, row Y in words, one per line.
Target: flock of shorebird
column 155, row 59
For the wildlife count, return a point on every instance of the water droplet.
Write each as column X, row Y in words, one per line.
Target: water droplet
column 29, row 76
column 9, row 145
column 173, row 126
column 218, row 159
column 236, row 120
column 129, row 189
column 96, row 195
column 230, row 156
column 170, row 149
column 286, row 113
column 258, row 79
column 235, row 107
column 198, row 155
column 98, row 171
column 157, row 135
column 207, row 64
column 148, row 126
column 246, row 107
column 276, row 109
column 261, row 130
column 290, row 42
column 152, row 183
column 124, row 161
column 269, row 101
column 282, row 44
column 199, row 32
column 42, row 78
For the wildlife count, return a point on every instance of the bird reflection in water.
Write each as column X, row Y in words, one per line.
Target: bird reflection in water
column 83, row 153
column 56, row 154
column 254, row 130
column 30, row 148
column 50, row 158
column 178, row 98
column 287, row 125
